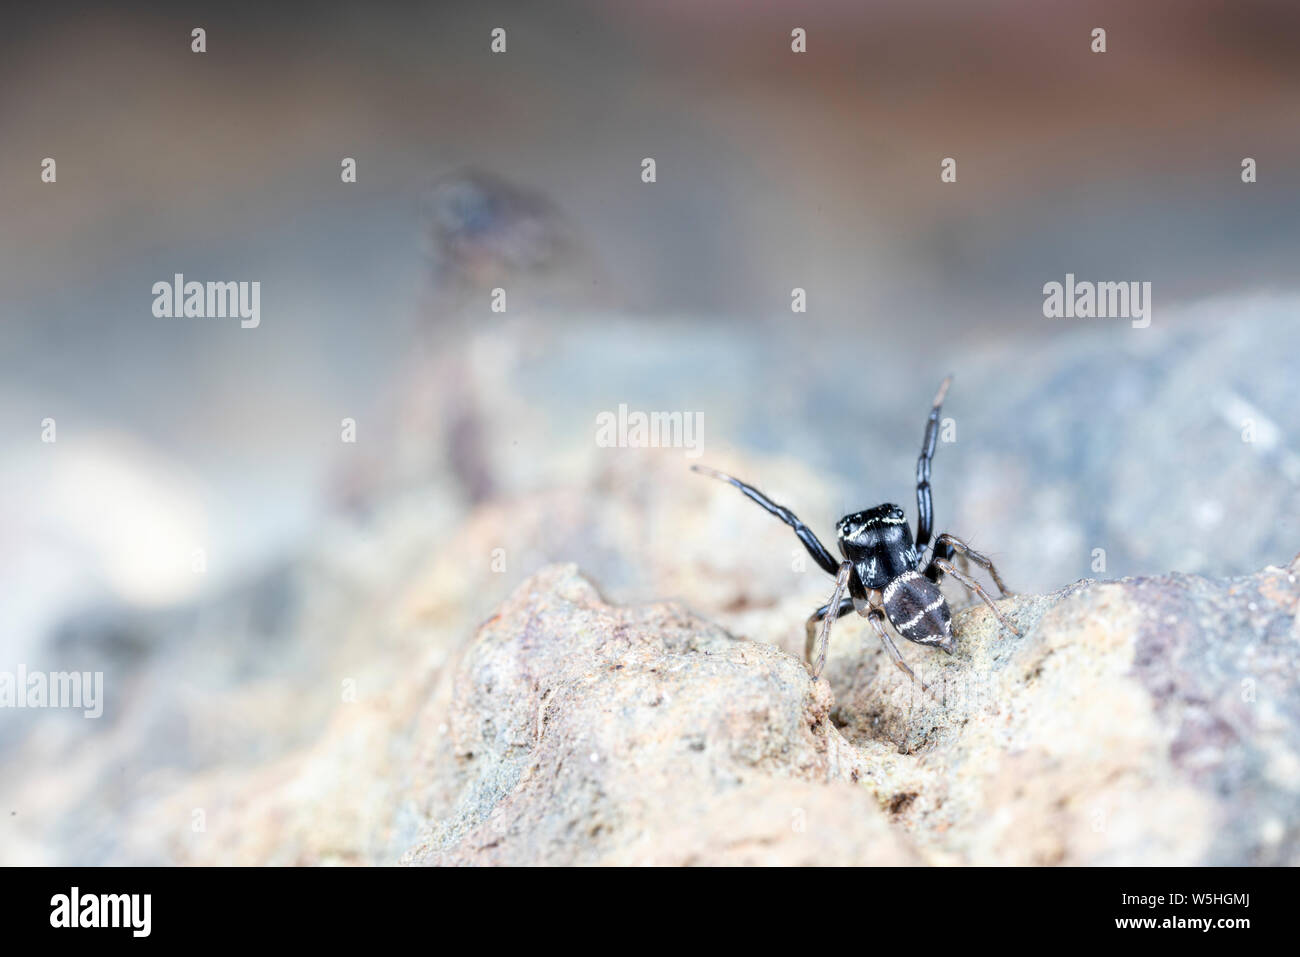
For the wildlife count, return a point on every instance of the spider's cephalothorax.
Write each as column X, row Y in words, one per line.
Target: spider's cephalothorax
column 878, row 543
column 884, row 570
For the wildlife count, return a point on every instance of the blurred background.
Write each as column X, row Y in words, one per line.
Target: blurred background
column 202, row 534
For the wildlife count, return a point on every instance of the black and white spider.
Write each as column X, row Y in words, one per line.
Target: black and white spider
column 884, row 570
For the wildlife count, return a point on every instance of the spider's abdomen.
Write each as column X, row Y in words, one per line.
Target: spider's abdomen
column 918, row 611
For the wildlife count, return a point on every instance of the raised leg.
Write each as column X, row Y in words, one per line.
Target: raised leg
column 924, row 504
column 977, row 588
column 810, row 629
column 956, row 544
column 815, row 548
column 841, row 582
column 877, row 619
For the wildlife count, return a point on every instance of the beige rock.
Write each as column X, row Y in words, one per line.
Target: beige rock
column 1150, row 720
column 582, row 733
column 1114, row 732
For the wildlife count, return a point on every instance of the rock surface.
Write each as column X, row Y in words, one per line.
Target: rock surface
column 583, row 733
column 357, row 717
column 1146, row 721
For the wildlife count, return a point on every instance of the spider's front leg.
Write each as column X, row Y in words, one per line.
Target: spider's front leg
column 924, row 501
column 806, row 535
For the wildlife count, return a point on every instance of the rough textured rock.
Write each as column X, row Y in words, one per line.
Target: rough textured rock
column 1147, row 720
column 582, row 733
column 1142, row 721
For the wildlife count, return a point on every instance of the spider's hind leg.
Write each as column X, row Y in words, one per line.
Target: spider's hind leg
column 953, row 544
column 946, row 567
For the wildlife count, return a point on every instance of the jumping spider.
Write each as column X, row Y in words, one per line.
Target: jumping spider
column 885, row 572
